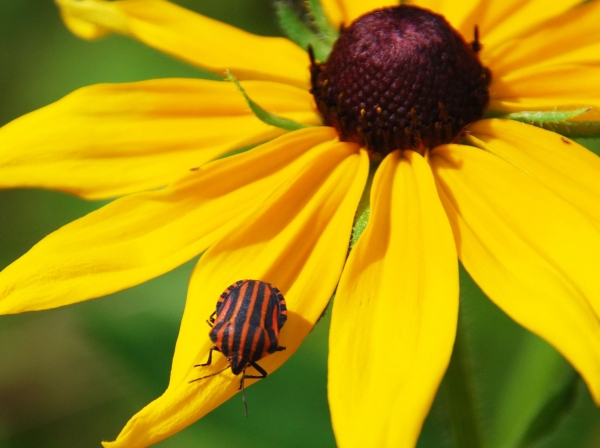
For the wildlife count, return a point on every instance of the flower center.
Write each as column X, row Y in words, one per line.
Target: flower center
column 400, row 78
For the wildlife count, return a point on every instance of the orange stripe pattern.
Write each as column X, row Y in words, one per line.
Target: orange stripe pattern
column 249, row 316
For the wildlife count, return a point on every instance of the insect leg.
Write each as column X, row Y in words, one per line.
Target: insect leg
column 207, row 363
column 211, row 320
column 263, row 372
column 279, row 349
column 208, row 376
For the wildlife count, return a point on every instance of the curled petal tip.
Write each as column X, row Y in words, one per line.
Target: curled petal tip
column 91, row 19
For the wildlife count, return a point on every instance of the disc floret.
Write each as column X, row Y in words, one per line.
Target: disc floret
column 400, row 78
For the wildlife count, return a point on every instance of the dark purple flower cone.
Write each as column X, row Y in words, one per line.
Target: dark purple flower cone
column 400, row 78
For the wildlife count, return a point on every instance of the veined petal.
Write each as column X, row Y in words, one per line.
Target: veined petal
column 298, row 242
column 456, row 12
column 548, row 88
column 531, row 251
column 115, row 139
column 138, row 237
column 344, row 12
column 561, row 165
column 571, row 38
column 192, row 37
column 335, row 12
column 499, row 21
column 394, row 315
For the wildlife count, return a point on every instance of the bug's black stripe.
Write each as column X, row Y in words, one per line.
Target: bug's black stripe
column 227, row 308
column 242, row 315
column 272, row 340
column 282, row 309
column 224, row 313
column 272, row 308
column 226, row 293
column 224, row 338
column 249, row 300
column 237, row 339
column 232, row 298
column 256, row 316
column 215, row 333
column 258, row 350
column 249, row 315
column 246, row 346
column 222, row 299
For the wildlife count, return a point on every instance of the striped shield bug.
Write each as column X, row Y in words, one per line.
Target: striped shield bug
column 245, row 327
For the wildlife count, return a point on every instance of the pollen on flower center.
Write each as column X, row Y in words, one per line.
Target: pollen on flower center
column 400, row 78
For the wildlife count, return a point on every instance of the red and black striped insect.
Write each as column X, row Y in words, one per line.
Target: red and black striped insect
column 246, row 325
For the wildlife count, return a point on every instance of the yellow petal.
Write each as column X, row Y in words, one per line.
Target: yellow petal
column 571, row 38
column 455, row 11
column 561, row 165
column 335, row 12
column 87, row 30
column 298, row 242
column 196, row 39
column 394, row 315
column 548, row 88
column 499, row 21
column 136, row 238
column 344, row 12
column 531, row 251
column 110, row 140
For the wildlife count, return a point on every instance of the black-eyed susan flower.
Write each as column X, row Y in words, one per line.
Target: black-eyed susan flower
column 406, row 91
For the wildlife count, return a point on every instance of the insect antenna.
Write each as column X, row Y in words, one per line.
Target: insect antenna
column 208, row 376
column 244, row 394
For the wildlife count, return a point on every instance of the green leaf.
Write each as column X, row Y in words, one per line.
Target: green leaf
column 593, row 144
column 538, row 393
column 328, row 32
column 362, row 219
column 556, row 408
column 559, row 121
column 543, row 118
column 263, row 115
column 302, row 33
column 590, row 129
column 363, row 211
column 459, row 392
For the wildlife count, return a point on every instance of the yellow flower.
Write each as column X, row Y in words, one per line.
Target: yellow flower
column 516, row 204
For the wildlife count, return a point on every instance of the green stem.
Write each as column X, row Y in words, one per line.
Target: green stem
column 459, row 393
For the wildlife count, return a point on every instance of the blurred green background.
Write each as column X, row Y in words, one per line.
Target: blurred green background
column 72, row 377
